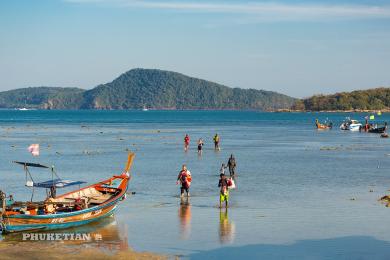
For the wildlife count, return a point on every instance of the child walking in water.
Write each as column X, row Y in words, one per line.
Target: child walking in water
column 200, row 146
column 184, row 178
column 222, row 170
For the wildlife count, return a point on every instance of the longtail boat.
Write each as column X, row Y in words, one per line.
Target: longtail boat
column 323, row 126
column 377, row 129
column 71, row 209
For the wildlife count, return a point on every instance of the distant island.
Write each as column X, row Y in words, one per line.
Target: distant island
column 160, row 89
column 355, row 101
column 151, row 88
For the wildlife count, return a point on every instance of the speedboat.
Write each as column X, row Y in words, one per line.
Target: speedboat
column 351, row 125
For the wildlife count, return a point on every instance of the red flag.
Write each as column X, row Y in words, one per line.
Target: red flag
column 34, row 149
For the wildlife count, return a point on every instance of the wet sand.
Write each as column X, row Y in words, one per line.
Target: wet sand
column 48, row 250
column 355, row 247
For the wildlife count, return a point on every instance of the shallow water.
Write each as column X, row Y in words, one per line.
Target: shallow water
column 294, row 183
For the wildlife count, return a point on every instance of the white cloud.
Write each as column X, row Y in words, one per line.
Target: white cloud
column 281, row 11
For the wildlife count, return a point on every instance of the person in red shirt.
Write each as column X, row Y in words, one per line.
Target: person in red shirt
column 186, row 142
column 184, row 178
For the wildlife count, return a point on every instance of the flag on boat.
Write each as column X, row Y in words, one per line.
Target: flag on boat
column 372, row 117
column 34, row 149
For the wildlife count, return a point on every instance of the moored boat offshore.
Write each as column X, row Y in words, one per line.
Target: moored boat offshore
column 378, row 129
column 326, row 125
column 351, row 125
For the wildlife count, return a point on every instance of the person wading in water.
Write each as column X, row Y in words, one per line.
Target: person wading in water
column 186, row 142
column 216, row 142
column 224, row 191
column 232, row 165
column 222, row 170
column 184, row 178
column 200, row 146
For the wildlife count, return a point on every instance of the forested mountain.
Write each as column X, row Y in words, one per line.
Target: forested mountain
column 156, row 89
column 170, row 90
column 371, row 99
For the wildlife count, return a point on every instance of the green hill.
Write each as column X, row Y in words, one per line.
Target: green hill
column 42, row 97
column 170, row 90
column 155, row 89
column 371, row 99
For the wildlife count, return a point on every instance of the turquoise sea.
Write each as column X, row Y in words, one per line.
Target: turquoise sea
column 301, row 193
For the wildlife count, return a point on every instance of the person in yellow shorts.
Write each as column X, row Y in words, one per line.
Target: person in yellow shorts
column 224, row 191
column 216, row 140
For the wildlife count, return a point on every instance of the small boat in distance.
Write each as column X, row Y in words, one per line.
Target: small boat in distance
column 25, row 109
column 351, row 125
column 71, row 209
column 145, row 108
column 377, row 129
column 326, row 125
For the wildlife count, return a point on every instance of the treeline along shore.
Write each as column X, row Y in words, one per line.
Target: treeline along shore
column 370, row 100
column 167, row 90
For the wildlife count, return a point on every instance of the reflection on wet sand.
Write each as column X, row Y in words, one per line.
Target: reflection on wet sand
column 226, row 228
column 44, row 250
column 108, row 240
column 185, row 218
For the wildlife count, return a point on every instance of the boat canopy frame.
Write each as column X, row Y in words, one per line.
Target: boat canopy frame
column 50, row 185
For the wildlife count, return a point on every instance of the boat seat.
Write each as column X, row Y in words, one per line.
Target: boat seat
column 96, row 201
column 88, row 192
column 99, row 199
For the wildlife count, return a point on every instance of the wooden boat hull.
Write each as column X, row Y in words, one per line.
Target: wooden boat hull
column 323, row 127
column 379, row 130
column 55, row 221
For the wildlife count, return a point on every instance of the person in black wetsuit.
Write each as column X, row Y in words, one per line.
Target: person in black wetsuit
column 232, row 165
column 200, row 146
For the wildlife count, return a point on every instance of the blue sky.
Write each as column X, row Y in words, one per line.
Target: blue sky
column 299, row 48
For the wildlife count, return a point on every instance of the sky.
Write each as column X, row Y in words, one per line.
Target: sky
column 296, row 47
